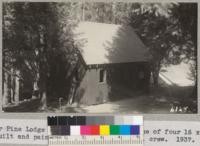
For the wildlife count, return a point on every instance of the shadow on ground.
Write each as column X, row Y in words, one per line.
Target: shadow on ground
column 159, row 101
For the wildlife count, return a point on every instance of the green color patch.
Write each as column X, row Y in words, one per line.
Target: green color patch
column 114, row 130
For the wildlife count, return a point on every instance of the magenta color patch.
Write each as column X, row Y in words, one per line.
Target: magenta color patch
column 85, row 130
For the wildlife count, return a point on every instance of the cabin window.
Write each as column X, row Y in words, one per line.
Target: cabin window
column 102, row 75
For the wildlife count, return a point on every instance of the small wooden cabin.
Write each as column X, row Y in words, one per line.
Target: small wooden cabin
column 115, row 59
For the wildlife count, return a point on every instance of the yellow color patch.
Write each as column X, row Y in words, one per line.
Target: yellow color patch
column 104, row 130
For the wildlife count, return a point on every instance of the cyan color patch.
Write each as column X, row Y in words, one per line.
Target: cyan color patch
column 125, row 130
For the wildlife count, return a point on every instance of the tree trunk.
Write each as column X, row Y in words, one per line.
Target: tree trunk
column 7, row 89
column 155, row 78
column 72, row 91
column 12, row 85
column 42, row 87
column 71, row 95
column 155, row 73
column 43, row 91
column 114, row 11
column 17, row 86
column 43, row 96
column 35, row 86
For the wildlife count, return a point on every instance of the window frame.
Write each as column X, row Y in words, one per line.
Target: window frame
column 102, row 76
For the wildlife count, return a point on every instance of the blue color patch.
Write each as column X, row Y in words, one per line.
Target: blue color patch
column 135, row 130
column 125, row 130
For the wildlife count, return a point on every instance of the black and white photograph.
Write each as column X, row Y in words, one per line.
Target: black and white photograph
column 99, row 57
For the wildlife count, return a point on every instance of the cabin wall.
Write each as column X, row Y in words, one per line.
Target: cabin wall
column 129, row 75
column 122, row 80
column 91, row 91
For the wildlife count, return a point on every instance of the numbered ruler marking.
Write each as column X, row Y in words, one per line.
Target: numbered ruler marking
column 96, row 140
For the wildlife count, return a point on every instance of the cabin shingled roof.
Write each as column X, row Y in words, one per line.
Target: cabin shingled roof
column 101, row 43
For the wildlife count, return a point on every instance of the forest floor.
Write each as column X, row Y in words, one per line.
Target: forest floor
column 141, row 104
column 158, row 102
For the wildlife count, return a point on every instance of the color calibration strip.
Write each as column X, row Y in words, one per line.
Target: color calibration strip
column 95, row 130
column 95, row 125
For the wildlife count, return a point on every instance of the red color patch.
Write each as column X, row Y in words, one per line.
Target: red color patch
column 94, row 130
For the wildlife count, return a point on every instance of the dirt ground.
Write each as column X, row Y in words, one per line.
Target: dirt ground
column 160, row 102
column 131, row 105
